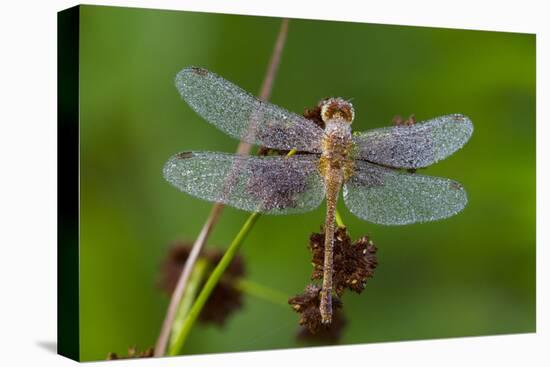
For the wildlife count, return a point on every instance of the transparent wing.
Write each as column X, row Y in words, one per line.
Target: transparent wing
column 273, row 185
column 414, row 146
column 387, row 196
column 244, row 117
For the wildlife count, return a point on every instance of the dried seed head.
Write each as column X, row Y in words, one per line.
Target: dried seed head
column 307, row 305
column 353, row 263
column 399, row 121
column 132, row 353
column 314, row 115
column 225, row 298
column 330, row 334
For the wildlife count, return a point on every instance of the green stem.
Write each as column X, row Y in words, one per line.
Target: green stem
column 195, row 280
column 263, row 292
column 213, row 279
column 339, row 220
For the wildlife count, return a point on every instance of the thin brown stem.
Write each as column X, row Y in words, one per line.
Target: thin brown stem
column 243, row 149
column 162, row 341
column 271, row 73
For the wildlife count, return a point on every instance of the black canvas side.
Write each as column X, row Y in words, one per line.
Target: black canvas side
column 68, row 327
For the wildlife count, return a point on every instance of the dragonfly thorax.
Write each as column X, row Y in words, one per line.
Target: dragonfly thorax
column 336, row 148
column 338, row 114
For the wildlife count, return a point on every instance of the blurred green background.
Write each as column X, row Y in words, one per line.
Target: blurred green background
column 472, row 274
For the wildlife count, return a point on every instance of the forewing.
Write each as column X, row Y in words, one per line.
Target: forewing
column 244, row 117
column 271, row 184
column 387, row 196
column 414, row 146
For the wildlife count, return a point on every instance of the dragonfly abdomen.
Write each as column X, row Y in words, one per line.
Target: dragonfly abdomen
column 334, row 165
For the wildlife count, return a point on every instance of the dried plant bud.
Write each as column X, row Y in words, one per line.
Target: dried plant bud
column 132, row 353
column 354, row 263
column 172, row 266
column 235, row 269
column 314, row 114
column 224, row 300
column 307, row 305
column 410, row 121
column 399, row 121
column 329, row 334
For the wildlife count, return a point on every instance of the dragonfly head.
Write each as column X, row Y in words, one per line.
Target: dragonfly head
column 337, row 108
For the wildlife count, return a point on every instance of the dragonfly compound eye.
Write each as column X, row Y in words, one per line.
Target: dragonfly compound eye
column 337, row 108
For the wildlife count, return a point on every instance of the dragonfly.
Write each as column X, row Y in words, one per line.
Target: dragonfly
column 371, row 168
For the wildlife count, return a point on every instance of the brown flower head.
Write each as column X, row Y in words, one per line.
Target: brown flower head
column 132, row 353
column 328, row 334
column 314, row 114
column 307, row 305
column 354, row 263
column 225, row 298
column 398, row 120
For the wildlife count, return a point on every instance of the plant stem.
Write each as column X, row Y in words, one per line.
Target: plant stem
column 263, row 292
column 179, row 338
column 195, row 280
column 243, row 148
column 179, row 291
